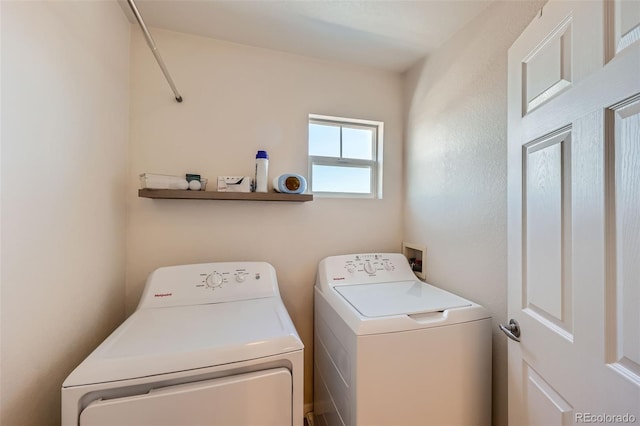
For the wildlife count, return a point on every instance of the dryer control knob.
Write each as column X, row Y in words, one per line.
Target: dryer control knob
column 214, row 280
column 240, row 278
column 369, row 268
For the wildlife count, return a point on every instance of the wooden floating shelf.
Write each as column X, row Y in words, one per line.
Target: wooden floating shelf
column 183, row 194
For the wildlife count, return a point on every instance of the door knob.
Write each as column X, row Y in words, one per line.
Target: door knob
column 512, row 330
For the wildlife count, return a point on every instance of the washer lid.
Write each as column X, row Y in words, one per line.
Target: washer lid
column 166, row 340
column 399, row 298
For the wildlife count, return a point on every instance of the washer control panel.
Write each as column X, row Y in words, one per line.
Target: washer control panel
column 370, row 264
column 365, row 268
column 209, row 283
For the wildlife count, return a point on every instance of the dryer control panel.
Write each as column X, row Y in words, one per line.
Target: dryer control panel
column 364, row 268
column 209, row 283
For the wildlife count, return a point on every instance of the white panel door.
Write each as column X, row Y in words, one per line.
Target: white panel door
column 574, row 215
column 250, row 399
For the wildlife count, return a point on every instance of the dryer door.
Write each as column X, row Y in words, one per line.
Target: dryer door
column 262, row 397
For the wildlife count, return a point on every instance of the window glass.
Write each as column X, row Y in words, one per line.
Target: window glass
column 324, row 140
column 344, row 157
column 357, row 143
column 341, row 179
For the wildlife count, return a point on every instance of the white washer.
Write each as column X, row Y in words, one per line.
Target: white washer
column 208, row 344
column 391, row 351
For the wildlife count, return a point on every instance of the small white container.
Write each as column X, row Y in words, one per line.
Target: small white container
column 155, row 181
column 235, row 183
column 262, row 171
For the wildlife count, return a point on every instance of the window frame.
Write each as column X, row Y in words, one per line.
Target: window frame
column 375, row 164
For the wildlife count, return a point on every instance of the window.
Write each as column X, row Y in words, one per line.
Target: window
column 343, row 157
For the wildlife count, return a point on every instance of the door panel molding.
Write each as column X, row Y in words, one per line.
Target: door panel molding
column 622, row 26
column 546, row 71
column 546, row 222
column 623, row 238
column 546, row 406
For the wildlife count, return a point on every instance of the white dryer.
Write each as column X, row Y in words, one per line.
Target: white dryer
column 393, row 351
column 209, row 344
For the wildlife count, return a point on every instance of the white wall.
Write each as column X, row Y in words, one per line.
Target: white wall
column 239, row 99
column 65, row 97
column 456, row 166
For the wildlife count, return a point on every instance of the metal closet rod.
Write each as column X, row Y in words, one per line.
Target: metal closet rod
column 154, row 49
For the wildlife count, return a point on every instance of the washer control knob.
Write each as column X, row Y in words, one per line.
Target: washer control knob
column 387, row 265
column 240, row 277
column 351, row 269
column 214, row 280
column 369, row 268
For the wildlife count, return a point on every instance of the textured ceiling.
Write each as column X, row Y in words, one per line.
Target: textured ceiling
column 389, row 35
